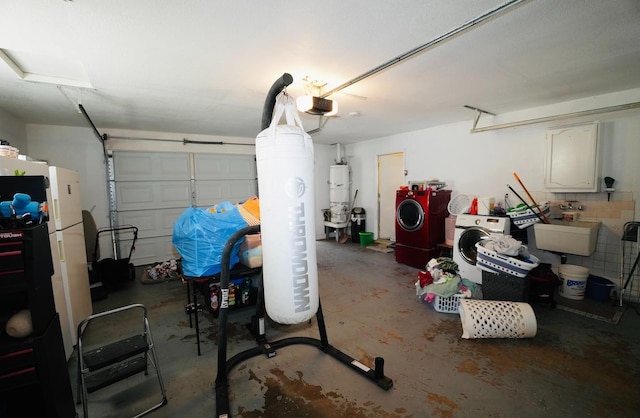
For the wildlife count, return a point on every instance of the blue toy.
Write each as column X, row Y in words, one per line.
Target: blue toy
column 21, row 206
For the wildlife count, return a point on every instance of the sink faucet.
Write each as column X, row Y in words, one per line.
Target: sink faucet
column 571, row 204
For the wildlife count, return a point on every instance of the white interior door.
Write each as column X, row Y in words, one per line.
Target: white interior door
column 390, row 178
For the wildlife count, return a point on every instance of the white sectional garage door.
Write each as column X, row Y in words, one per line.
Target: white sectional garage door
column 151, row 189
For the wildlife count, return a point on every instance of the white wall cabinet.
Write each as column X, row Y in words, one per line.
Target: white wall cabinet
column 572, row 160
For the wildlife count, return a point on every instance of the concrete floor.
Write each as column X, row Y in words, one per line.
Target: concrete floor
column 574, row 367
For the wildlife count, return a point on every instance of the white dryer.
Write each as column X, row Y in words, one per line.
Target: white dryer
column 469, row 230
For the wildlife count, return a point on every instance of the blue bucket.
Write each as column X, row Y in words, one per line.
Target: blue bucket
column 599, row 288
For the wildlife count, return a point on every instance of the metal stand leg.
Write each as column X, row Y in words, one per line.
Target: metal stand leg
column 268, row 348
column 224, row 365
column 195, row 313
column 188, row 307
column 192, row 307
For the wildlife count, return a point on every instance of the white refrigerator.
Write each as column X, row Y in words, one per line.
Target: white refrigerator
column 66, row 215
column 8, row 167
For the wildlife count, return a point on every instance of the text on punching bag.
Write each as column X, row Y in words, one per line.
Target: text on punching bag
column 299, row 265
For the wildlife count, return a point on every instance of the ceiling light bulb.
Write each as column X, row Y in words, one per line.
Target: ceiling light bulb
column 304, row 103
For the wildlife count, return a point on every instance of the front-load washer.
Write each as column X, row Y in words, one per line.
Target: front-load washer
column 469, row 230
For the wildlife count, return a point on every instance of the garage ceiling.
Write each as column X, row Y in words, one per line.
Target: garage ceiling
column 204, row 66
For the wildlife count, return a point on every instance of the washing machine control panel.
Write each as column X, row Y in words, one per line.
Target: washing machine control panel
column 495, row 223
column 492, row 223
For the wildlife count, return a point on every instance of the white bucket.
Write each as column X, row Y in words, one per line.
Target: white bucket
column 574, row 281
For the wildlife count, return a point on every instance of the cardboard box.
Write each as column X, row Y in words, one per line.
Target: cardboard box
column 251, row 251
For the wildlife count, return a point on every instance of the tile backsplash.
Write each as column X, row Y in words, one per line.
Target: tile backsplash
column 607, row 260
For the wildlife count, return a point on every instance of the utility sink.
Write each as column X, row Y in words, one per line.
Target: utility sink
column 567, row 237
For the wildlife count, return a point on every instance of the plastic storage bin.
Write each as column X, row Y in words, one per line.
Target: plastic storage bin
column 525, row 217
column 366, row 238
column 501, row 286
column 251, row 251
column 599, row 288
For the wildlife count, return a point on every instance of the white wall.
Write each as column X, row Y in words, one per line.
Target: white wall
column 13, row 130
column 483, row 164
column 80, row 150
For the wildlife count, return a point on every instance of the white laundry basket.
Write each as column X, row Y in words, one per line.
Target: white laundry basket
column 496, row 319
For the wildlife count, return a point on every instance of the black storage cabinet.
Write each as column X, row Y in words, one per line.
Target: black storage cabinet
column 34, row 378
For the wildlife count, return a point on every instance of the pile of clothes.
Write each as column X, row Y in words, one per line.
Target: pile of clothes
column 163, row 271
column 441, row 278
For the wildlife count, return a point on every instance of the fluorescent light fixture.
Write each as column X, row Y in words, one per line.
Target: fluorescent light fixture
column 317, row 105
column 50, row 70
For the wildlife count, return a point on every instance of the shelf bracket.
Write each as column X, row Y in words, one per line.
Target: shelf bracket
column 479, row 113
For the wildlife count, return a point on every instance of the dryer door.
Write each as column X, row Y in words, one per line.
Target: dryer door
column 467, row 243
column 410, row 215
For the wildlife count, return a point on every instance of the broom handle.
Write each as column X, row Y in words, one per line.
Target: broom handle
column 546, row 220
column 353, row 203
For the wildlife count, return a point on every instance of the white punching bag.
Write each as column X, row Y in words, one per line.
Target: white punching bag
column 284, row 158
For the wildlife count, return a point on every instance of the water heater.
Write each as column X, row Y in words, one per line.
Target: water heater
column 339, row 193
